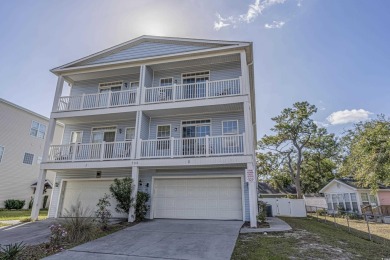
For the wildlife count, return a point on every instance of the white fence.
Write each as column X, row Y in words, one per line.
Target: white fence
column 98, row 100
column 192, row 147
column 286, row 207
column 91, row 151
column 190, row 91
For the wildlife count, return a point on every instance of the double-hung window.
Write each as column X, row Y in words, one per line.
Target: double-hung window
column 1, row 153
column 163, row 136
column 38, row 130
column 76, row 137
column 231, row 140
column 166, row 82
column 130, row 133
column 365, row 200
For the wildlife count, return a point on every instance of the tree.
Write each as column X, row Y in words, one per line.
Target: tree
column 299, row 148
column 367, row 153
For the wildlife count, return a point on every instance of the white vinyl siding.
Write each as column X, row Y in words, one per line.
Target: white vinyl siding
column 28, row 158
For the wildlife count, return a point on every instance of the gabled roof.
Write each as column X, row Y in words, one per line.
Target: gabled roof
column 150, row 46
column 351, row 182
column 267, row 189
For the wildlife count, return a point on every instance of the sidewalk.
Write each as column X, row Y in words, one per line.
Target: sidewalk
column 276, row 225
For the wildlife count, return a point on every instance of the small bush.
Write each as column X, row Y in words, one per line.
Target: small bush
column 141, row 208
column 14, row 204
column 262, row 217
column 30, row 204
column 79, row 224
column 11, row 251
column 321, row 212
column 102, row 213
column 121, row 190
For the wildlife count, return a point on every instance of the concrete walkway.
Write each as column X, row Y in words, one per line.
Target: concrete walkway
column 162, row 239
column 31, row 233
column 275, row 225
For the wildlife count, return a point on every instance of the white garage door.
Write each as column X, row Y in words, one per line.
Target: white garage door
column 198, row 198
column 88, row 193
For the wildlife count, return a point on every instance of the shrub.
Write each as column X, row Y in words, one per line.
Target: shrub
column 58, row 235
column 30, row 204
column 79, row 224
column 11, row 251
column 262, row 212
column 14, row 204
column 102, row 213
column 45, row 198
column 140, row 207
column 321, row 212
column 121, row 190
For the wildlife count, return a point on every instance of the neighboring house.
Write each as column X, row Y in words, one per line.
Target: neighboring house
column 177, row 115
column 22, row 138
column 347, row 194
column 266, row 190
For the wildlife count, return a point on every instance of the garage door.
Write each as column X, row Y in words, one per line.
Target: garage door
column 206, row 198
column 88, row 193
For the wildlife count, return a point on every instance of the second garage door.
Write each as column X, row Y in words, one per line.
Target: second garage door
column 198, row 198
column 88, row 193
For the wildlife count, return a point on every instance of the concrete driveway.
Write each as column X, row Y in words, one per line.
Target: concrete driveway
column 162, row 239
column 30, row 233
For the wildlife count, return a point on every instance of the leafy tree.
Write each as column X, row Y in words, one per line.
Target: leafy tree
column 299, row 150
column 367, row 152
column 121, row 190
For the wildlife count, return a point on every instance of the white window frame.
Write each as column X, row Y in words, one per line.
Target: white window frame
column 2, row 152
column 39, row 125
column 196, row 124
column 171, row 78
column 182, row 77
column 131, row 83
column 81, row 138
column 126, row 132
column 223, row 131
column 111, row 84
column 99, row 129
column 32, row 160
column 170, row 131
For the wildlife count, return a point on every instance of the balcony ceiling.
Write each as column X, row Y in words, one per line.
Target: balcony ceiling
column 102, row 74
column 113, row 117
column 185, row 111
column 196, row 62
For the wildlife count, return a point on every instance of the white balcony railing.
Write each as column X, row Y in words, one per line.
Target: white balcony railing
column 192, row 147
column 91, row 152
column 98, row 100
column 207, row 89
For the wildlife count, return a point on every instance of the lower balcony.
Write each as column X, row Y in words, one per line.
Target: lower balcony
column 192, row 147
column 91, row 152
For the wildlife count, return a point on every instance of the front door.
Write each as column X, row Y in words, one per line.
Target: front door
column 100, row 135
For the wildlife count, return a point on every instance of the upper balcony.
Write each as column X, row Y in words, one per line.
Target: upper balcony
column 169, row 82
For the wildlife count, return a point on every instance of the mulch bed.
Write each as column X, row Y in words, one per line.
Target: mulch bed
column 259, row 224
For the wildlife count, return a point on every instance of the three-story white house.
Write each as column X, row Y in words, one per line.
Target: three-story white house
column 175, row 114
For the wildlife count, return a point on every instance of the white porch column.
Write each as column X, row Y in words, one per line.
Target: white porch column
column 141, row 94
column 134, row 176
column 48, row 141
column 252, row 186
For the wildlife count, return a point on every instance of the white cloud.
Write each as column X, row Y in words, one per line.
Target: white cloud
column 348, row 116
column 274, row 25
column 253, row 11
column 321, row 124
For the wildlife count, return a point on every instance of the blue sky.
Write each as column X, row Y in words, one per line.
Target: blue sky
column 334, row 54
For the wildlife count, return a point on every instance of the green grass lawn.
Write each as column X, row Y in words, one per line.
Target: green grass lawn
column 309, row 239
column 20, row 214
